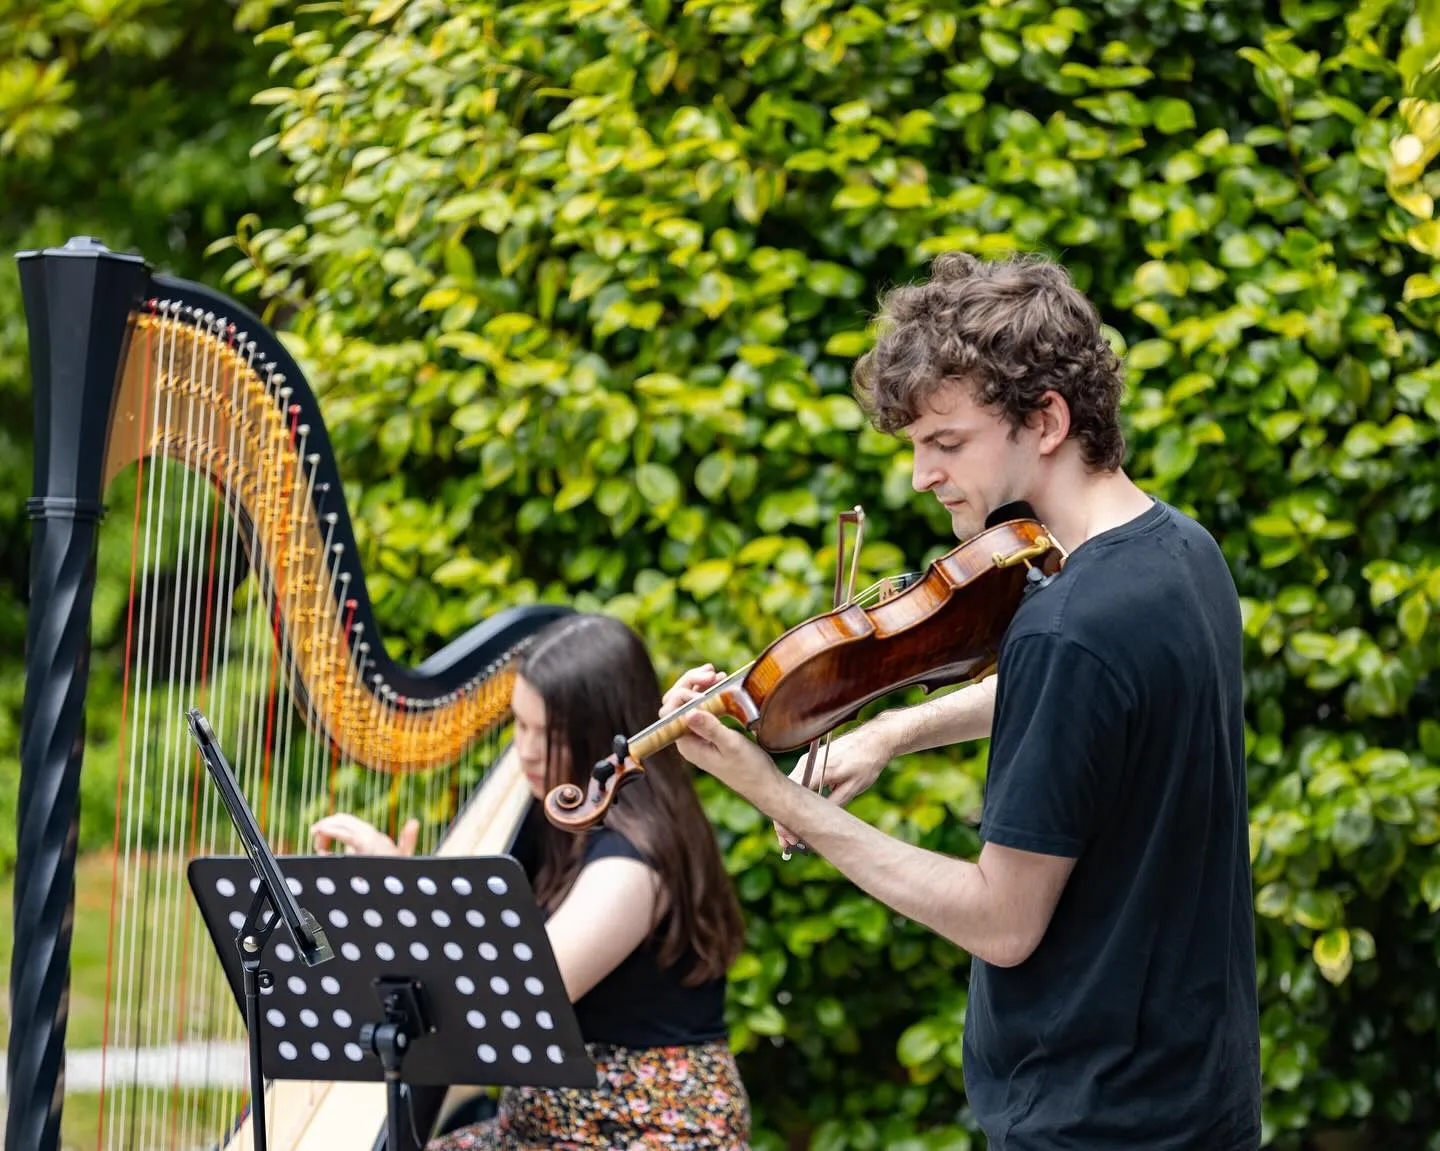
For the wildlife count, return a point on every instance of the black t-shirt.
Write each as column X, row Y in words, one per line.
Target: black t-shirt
column 1118, row 741
column 640, row 1003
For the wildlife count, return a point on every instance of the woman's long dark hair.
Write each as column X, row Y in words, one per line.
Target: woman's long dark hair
column 597, row 681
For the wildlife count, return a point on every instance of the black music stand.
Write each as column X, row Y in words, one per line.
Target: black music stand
column 268, row 890
column 443, row 975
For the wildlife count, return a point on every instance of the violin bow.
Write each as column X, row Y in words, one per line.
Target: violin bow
column 856, row 516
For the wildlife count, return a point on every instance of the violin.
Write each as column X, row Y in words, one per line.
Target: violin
column 937, row 628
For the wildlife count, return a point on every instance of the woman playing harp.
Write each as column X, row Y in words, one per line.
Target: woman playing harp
column 642, row 917
column 246, row 599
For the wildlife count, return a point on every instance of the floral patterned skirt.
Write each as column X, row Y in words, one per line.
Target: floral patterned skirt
column 679, row 1098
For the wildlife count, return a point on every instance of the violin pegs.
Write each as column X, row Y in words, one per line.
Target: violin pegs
column 621, row 747
column 602, row 771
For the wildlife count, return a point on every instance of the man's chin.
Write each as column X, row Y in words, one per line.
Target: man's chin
column 963, row 522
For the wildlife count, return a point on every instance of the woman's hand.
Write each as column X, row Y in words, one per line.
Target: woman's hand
column 361, row 838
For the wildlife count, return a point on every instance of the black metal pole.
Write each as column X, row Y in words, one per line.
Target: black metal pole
column 251, row 969
column 250, row 942
column 77, row 304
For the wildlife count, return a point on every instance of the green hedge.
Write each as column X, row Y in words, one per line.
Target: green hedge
column 582, row 281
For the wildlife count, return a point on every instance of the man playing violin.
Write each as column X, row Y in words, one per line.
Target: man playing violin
column 1109, row 914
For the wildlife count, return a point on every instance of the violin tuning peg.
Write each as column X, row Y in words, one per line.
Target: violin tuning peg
column 602, row 771
column 621, row 748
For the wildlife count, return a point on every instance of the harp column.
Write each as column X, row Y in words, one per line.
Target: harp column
column 78, row 301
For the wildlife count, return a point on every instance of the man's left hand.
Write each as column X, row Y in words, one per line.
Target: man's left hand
column 732, row 758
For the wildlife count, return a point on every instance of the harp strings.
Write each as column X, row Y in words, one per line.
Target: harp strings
column 238, row 603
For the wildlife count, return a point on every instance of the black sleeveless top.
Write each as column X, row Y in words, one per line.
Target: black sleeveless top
column 640, row 1003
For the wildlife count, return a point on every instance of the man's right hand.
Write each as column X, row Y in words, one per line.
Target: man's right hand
column 855, row 761
column 361, row 838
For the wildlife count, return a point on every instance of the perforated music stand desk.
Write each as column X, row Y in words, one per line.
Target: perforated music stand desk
column 467, row 929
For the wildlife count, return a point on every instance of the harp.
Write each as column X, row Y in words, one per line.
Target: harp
column 245, row 597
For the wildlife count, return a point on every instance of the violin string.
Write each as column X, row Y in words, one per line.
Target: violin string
column 690, row 705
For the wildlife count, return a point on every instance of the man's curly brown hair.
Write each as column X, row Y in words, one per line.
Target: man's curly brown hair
column 1012, row 330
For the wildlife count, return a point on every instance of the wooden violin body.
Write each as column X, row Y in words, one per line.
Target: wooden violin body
column 943, row 628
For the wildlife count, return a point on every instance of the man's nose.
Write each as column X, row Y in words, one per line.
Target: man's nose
column 923, row 474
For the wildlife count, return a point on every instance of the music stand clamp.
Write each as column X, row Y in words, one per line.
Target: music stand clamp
column 443, row 975
column 255, row 928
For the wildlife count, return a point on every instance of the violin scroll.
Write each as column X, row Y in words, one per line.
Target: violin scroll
column 572, row 809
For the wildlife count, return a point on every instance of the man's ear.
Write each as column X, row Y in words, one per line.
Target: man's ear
column 1052, row 421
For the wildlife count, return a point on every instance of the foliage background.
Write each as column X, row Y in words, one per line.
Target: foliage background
column 581, row 281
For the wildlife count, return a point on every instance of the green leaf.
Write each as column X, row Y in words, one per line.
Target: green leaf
column 1394, row 809
column 999, row 48
column 1273, row 901
column 713, row 294
column 1174, row 454
column 657, row 485
column 766, row 1020
column 1295, row 600
column 1313, row 645
column 1273, row 526
column 1414, row 617
column 713, row 473
column 705, row 579
column 1316, row 909
column 660, row 69
column 574, row 492
column 834, row 280
column 1430, row 887
column 369, row 157
column 1420, row 286
column 1241, row 250
column 1332, row 954
column 1362, row 441
column 939, row 28
column 762, row 551
column 1280, row 426
column 908, row 196
column 847, row 345
column 918, row 1044
column 779, row 509
column 1352, row 830
column 1287, row 833
column 1148, row 354
column 612, row 496
column 1170, row 115
column 497, row 462
column 458, row 572
column 856, row 196
column 752, row 196
column 1388, row 581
